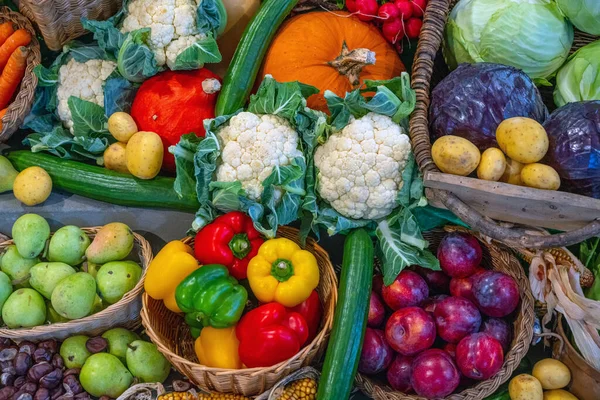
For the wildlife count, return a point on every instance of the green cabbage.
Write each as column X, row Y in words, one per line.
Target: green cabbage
column 531, row 35
column 584, row 14
column 579, row 78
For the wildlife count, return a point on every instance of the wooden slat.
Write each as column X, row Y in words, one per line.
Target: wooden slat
column 511, row 203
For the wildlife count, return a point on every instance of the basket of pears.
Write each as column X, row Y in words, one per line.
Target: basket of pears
column 73, row 281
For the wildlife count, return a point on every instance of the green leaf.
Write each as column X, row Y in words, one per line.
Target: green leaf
column 62, row 144
column 226, row 195
column 184, row 152
column 88, row 118
column 282, row 99
column 211, row 17
column 47, row 77
column 204, row 216
column 83, row 52
column 109, row 38
column 201, row 52
column 430, row 217
column 118, row 95
column 135, row 60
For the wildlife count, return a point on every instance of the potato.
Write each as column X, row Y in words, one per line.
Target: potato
column 122, row 126
column 455, row 155
column 32, row 186
column 115, row 157
column 522, row 139
column 551, row 373
column 540, row 176
column 525, row 387
column 512, row 173
column 492, row 165
column 144, row 154
column 559, row 394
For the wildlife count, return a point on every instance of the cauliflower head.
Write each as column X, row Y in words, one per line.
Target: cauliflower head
column 83, row 80
column 360, row 167
column 252, row 146
column 172, row 24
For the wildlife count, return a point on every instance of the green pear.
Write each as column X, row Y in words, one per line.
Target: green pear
column 104, row 375
column 146, row 363
column 16, row 267
column 8, row 174
column 117, row 278
column 30, row 233
column 74, row 352
column 68, row 245
column 98, row 305
column 45, row 276
column 24, row 308
column 91, row 268
column 5, row 288
column 52, row 316
column 74, row 296
column 113, row 242
column 119, row 340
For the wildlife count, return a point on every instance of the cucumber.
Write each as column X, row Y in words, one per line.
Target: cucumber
column 102, row 184
column 249, row 54
column 350, row 319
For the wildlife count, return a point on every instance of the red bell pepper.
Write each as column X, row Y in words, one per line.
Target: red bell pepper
column 229, row 240
column 310, row 309
column 270, row 334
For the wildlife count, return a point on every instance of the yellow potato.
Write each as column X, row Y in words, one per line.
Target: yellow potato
column 540, row 176
column 512, row 173
column 115, row 157
column 559, row 394
column 144, row 154
column 522, row 139
column 525, row 387
column 492, row 165
column 551, row 373
column 122, row 126
column 32, row 186
column 455, row 155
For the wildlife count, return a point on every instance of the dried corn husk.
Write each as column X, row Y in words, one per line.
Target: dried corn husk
column 556, row 281
column 143, row 391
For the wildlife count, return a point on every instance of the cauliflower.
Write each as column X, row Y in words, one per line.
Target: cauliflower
column 83, row 80
column 252, row 145
column 360, row 167
column 172, row 24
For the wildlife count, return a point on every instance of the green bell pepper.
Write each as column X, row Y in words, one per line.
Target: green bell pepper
column 210, row 297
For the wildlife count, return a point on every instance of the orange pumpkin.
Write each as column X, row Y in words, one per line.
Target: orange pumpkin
column 331, row 51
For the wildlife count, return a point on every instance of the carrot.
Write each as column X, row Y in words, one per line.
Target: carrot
column 2, row 114
column 6, row 29
column 20, row 38
column 12, row 75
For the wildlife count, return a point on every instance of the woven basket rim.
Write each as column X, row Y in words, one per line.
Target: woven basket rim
column 430, row 42
column 146, row 257
column 23, row 99
column 521, row 339
column 320, row 337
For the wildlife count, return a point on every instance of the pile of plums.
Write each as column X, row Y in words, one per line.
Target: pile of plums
column 433, row 331
column 36, row 372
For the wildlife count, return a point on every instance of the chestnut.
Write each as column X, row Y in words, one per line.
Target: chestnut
column 27, row 347
column 42, row 394
column 72, row 371
column 7, row 392
column 40, row 354
column 72, row 385
column 8, row 353
column 22, row 362
column 7, row 379
column 36, row 372
column 57, row 361
column 96, row 344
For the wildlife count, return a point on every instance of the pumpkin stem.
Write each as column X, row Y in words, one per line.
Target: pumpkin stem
column 351, row 63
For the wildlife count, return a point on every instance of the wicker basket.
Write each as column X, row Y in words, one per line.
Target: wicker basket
column 125, row 313
column 172, row 337
column 476, row 201
column 59, row 21
column 498, row 258
column 19, row 108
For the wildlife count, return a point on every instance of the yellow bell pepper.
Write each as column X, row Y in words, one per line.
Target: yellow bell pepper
column 218, row 348
column 283, row 272
column 170, row 266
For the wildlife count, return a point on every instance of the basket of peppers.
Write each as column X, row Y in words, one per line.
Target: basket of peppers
column 235, row 312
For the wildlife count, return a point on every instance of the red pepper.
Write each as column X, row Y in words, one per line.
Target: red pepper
column 229, row 240
column 269, row 335
column 310, row 309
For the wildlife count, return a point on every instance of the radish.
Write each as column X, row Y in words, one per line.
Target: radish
column 367, row 9
column 351, row 6
column 418, row 7
column 405, row 8
column 413, row 28
column 388, row 11
column 393, row 30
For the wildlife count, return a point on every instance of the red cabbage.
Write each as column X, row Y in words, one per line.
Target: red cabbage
column 473, row 99
column 574, row 151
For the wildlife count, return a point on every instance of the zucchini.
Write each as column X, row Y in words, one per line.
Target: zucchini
column 102, row 184
column 249, row 54
column 350, row 319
